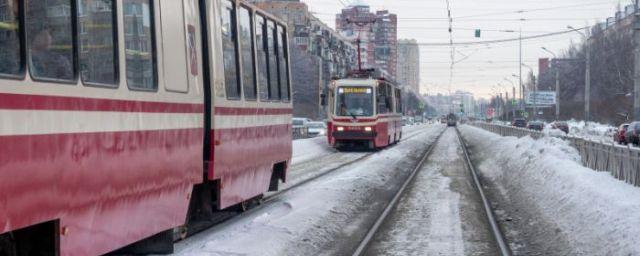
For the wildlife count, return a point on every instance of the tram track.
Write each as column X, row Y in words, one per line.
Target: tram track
column 500, row 243
column 270, row 197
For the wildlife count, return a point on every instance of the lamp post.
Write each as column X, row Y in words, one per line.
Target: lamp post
column 555, row 58
column 535, row 93
column 587, row 78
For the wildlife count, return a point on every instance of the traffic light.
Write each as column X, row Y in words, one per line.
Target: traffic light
column 478, row 33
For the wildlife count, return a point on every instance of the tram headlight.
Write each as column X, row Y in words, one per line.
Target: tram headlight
column 340, row 129
column 368, row 129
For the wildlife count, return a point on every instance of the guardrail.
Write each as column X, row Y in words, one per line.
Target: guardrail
column 622, row 162
column 300, row 133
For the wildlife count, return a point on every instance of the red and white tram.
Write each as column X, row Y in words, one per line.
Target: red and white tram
column 364, row 111
column 122, row 120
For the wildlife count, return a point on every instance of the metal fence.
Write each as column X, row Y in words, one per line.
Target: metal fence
column 300, row 133
column 623, row 162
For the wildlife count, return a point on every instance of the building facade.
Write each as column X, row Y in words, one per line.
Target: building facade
column 377, row 34
column 409, row 64
column 318, row 54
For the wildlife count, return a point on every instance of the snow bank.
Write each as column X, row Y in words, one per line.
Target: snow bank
column 591, row 130
column 598, row 214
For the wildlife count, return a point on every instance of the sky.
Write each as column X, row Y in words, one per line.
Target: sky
column 482, row 69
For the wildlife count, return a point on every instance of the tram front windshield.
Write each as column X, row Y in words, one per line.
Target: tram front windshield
column 355, row 101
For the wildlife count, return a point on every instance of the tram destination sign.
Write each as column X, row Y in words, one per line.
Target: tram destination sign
column 355, row 90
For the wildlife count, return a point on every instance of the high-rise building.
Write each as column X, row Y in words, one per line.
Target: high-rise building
column 377, row 33
column 409, row 64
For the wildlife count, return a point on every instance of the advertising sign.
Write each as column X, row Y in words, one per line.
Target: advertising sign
column 541, row 98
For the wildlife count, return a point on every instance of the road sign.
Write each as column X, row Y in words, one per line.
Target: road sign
column 541, row 98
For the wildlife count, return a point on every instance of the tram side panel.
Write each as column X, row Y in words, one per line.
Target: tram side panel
column 110, row 163
column 251, row 133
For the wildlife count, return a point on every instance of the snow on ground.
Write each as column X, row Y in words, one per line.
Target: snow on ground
column 307, row 149
column 591, row 130
column 311, row 219
column 595, row 213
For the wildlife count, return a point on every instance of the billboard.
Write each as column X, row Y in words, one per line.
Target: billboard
column 541, row 98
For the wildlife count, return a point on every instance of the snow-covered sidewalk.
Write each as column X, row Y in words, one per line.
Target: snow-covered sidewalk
column 319, row 217
column 591, row 211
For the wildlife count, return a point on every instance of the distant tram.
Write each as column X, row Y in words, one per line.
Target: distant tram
column 127, row 123
column 364, row 111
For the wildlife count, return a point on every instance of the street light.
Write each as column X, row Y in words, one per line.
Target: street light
column 535, row 92
column 513, row 108
column 555, row 58
column 587, row 79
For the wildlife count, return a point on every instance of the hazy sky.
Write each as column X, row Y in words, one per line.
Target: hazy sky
column 488, row 64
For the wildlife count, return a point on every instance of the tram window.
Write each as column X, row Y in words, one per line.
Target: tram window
column 261, row 49
column 383, row 99
column 50, row 38
column 230, row 50
column 274, row 89
column 97, row 33
column 139, row 44
column 246, row 47
column 283, row 64
column 11, row 61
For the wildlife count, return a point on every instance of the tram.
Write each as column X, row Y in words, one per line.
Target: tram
column 364, row 111
column 122, row 122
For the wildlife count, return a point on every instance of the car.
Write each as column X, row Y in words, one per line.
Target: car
column 563, row 126
column 535, row 125
column 519, row 122
column 632, row 134
column 316, row 129
column 619, row 135
column 299, row 122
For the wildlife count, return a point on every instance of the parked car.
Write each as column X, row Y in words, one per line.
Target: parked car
column 563, row 126
column 633, row 131
column 519, row 122
column 299, row 122
column 317, row 129
column 535, row 125
column 619, row 135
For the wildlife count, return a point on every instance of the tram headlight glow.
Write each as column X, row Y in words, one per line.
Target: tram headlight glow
column 340, row 129
column 368, row 129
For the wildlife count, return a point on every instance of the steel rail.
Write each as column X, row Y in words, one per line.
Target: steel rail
column 502, row 244
column 392, row 204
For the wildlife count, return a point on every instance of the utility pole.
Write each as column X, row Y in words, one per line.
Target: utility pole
column 587, row 94
column 520, row 77
column 513, row 106
column 636, row 76
column 557, row 92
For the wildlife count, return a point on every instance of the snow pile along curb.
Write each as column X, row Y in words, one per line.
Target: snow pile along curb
column 598, row 214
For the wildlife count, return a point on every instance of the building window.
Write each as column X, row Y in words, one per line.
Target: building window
column 98, row 55
column 230, row 50
column 274, row 88
column 50, row 39
column 140, row 53
column 263, row 58
column 11, row 61
column 248, row 60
